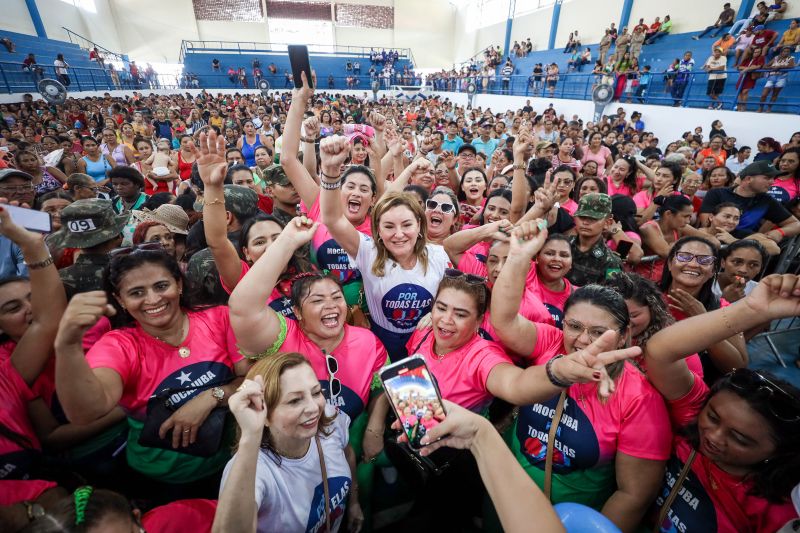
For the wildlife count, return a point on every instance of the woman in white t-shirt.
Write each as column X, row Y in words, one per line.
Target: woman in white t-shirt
column 400, row 269
column 277, row 480
column 61, row 69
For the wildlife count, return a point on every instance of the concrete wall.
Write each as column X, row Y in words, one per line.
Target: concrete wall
column 589, row 17
column 16, row 17
column 668, row 123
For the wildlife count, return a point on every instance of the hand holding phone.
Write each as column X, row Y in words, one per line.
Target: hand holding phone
column 300, row 62
column 414, row 397
column 30, row 219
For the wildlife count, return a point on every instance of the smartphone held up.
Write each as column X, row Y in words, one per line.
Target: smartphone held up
column 414, row 397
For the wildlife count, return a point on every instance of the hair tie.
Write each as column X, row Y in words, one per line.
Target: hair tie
column 81, row 496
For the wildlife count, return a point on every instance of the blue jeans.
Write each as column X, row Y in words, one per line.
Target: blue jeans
column 718, row 28
column 658, row 35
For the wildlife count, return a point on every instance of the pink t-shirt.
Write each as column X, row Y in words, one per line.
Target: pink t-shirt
column 327, row 254
column 599, row 158
column 712, row 499
column 783, row 190
column 633, row 420
column 17, row 491
column 45, row 385
column 623, row 189
column 570, row 206
column 643, row 199
column 359, row 356
column 473, row 261
column 553, row 300
column 148, row 365
column 16, row 461
column 461, row 374
column 280, row 303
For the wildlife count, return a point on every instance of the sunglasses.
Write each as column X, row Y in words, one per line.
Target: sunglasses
column 137, row 249
column 783, row 405
column 334, row 385
column 445, row 207
column 686, row 257
column 471, row 279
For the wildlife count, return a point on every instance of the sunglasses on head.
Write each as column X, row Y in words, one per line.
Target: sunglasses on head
column 136, row 249
column 686, row 257
column 334, row 385
column 445, row 207
column 783, row 405
column 471, row 279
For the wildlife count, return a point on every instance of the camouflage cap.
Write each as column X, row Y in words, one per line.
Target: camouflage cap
column 200, row 264
column 594, row 205
column 275, row 175
column 87, row 223
column 241, row 201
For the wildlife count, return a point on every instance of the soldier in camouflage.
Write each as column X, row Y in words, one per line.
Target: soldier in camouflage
column 284, row 195
column 592, row 260
column 93, row 227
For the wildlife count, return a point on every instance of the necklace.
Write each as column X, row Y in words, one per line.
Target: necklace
column 183, row 351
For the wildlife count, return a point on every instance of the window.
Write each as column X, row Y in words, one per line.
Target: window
column 86, row 5
column 293, row 31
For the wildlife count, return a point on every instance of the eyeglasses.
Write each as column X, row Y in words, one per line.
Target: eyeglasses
column 136, row 249
column 576, row 329
column 441, row 172
column 686, row 257
column 334, row 385
column 783, row 405
column 15, row 188
column 471, row 279
column 445, row 207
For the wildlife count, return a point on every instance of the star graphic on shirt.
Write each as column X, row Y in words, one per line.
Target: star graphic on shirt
column 184, row 377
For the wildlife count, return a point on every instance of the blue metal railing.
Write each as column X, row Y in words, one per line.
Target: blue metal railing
column 88, row 44
column 13, row 79
column 250, row 47
column 573, row 85
column 662, row 90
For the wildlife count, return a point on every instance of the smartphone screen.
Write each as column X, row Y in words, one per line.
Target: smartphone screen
column 414, row 397
column 298, row 59
column 623, row 247
column 30, row 218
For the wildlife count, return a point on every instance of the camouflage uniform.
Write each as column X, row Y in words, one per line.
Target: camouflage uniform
column 275, row 175
column 85, row 224
column 599, row 262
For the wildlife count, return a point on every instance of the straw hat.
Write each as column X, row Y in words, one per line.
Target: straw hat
column 172, row 216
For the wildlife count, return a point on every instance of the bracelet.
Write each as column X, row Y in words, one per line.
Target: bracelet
column 330, row 185
column 308, row 140
column 780, row 230
column 214, row 202
column 548, row 368
column 374, row 432
column 519, row 166
column 726, row 320
column 321, row 173
column 40, row 264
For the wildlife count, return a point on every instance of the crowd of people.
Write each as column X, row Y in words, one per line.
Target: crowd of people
column 757, row 52
column 200, row 332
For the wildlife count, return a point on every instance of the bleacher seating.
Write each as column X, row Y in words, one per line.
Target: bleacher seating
column 198, row 62
column 83, row 73
column 659, row 56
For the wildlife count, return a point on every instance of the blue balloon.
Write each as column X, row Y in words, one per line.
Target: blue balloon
column 578, row 518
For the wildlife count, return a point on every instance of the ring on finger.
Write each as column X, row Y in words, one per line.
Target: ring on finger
column 187, row 430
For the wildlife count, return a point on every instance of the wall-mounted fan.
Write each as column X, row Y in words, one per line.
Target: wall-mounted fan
column 263, row 85
column 471, row 90
column 601, row 96
column 52, row 91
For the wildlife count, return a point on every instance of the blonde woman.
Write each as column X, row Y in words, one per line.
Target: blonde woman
column 400, row 269
column 293, row 469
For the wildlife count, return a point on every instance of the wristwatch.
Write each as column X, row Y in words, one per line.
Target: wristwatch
column 34, row 510
column 218, row 393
